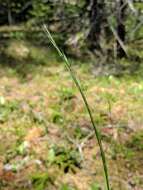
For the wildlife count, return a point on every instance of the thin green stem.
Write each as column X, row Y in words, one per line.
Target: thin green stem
column 67, row 64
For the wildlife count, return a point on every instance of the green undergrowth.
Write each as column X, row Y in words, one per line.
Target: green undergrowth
column 36, row 95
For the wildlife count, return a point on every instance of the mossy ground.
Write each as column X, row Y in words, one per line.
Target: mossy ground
column 47, row 141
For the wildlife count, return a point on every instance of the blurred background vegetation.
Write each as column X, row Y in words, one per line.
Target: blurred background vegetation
column 107, row 32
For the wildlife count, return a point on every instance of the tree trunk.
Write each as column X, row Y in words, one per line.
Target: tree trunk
column 9, row 14
column 121, row 28
column 96, row 22
column 95, row 26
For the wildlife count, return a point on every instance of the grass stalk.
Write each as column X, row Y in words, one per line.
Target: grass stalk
column 73, row 76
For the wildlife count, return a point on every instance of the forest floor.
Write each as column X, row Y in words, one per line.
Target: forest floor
column 46, row 138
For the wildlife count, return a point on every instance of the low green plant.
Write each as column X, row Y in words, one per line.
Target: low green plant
column 40, row 181
column 66, row 94
column 6, row 108
column 57, row 117
column 95, row 186
column 66, row 158
column 122, row 150
column 80, row 133
column 78, row 85
column 66, row 187
column 136, row 141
